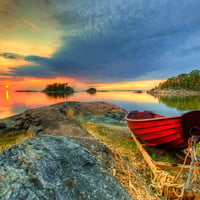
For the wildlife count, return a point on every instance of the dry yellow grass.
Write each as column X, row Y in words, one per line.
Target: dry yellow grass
column 128, row 166
column 70, row 113
column 12, row 138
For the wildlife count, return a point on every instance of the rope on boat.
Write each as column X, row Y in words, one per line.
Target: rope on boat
column 167, row 186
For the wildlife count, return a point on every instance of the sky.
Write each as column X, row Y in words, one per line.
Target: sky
column 108, row 44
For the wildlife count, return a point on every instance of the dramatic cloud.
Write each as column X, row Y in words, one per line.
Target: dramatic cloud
column 12, row 56
column 121, row 40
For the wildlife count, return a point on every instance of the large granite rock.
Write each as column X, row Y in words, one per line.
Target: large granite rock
column 55, row 168
column 100, row 112
column 54, row 120
column 97, row 107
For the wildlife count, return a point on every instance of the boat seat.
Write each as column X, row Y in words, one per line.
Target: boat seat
column 141, row 115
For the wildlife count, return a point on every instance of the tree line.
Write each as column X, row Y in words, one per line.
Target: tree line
column 184, row 81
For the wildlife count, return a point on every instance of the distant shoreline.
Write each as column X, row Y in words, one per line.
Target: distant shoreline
column 172, row 92
column 135, row 91
column 27, row 91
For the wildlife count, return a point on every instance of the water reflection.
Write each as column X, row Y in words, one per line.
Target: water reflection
column 128, row 96
column 58, row 95
column 7, row 95
column 15, row 102
column 182, row 103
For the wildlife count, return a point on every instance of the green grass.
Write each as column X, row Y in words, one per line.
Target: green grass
column 198, row 149
column 118, row 137
column 11, row 138
column 164, row 156
column 114, row 136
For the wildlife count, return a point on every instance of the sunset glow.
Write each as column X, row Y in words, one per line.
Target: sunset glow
column 39, row 84
column 116, row 96
column 44, row 42
column 12, row 102
column 109, row 45
column 8, row 64
column 131, row 85
column 26, row 47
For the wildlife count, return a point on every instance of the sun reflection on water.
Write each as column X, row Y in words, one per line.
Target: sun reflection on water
column 7, row 95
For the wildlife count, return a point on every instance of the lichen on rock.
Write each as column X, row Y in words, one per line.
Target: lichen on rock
column 55, row 168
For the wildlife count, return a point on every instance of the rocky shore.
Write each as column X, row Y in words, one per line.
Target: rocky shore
column 62, row 120
column 63, row 161
column 169, row 92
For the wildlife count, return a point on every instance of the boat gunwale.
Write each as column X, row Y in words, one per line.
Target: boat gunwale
column 153, row 119
column 159, row 118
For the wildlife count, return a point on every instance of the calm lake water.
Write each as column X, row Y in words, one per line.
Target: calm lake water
column 16, row 102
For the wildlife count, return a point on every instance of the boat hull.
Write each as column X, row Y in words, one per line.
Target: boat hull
column 163, row 132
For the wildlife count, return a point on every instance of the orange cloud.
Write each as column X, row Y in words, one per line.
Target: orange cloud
column 9, row 27
column 29, row 23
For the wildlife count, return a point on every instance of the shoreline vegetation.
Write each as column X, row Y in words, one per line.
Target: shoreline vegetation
column 173, row 92
column 181, row 85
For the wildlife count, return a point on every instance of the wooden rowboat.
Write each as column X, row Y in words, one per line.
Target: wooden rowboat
column 164, row 132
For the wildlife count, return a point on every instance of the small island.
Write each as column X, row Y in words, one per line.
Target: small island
column 59, row 88
column 91, row 90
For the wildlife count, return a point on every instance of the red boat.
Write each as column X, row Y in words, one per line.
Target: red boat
column 164, row 132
